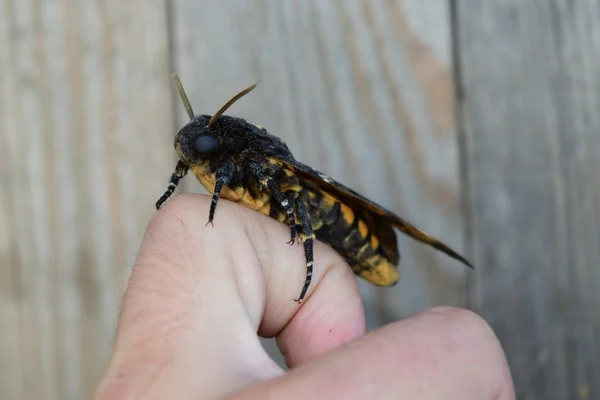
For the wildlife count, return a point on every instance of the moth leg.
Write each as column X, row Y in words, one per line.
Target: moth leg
column 223, row 177
column 180, row 170
column 307, row 237
column 286, row 203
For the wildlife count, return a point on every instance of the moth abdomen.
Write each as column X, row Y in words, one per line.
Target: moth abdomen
column 353, row 235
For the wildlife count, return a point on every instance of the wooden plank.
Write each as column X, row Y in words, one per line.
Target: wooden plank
column 361, row 90
column 530, row 74
column 85, row 114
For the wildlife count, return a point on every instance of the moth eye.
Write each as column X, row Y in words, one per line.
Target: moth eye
column 206, row 146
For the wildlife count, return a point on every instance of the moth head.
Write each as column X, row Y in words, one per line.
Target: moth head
column 195, row 142
column 205, row 137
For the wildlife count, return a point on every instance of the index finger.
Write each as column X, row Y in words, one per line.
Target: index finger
column 444, row 353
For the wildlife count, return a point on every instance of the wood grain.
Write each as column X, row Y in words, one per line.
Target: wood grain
column 530, row 74
column 360, row 90
column 85, row 113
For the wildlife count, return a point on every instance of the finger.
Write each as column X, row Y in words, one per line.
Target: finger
column 441, row 354
column 198, row 295
column 333, row 316
column 332, row 312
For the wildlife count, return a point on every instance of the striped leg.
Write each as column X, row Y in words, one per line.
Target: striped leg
column 223, row 177
column 307, row 237
column 180, row 170
column 286, row 204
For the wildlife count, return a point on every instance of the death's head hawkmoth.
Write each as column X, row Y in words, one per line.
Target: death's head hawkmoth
column 242, row 162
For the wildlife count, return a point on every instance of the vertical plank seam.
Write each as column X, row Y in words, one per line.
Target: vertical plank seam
column 49, row 338
column 564, row 360
column 18, row 294
column 172, row 55
column 465, row 179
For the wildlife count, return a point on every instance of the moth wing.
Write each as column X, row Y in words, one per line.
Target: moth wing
column 358, row 201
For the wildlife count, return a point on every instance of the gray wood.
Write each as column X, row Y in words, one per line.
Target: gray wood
column 530, row 74
column 360, row 90
column 84, row 112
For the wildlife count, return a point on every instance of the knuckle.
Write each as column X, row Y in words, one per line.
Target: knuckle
column 181, row 208
column 474, row 336
column 465, row 322
column 182, row 216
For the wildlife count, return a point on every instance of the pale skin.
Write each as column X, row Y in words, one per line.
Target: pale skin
column 199, row 294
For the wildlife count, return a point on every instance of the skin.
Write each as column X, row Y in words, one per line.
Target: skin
column 199, row 294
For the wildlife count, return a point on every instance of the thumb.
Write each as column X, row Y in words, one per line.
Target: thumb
column 198, row 295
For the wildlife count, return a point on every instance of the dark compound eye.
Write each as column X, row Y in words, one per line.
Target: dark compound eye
column 206, row 146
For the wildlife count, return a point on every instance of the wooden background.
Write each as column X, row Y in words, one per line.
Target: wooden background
column 478, row 120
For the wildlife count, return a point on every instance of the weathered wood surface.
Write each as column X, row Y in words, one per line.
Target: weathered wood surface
column 363, row 90
column 85, row 116
column 530, row 72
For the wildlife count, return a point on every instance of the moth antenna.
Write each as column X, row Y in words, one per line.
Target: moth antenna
column 230, row 102
column 183, row 96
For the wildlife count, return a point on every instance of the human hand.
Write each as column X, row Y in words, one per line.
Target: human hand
column 198, row 295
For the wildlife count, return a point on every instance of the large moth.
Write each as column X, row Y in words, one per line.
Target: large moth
column 244, row 163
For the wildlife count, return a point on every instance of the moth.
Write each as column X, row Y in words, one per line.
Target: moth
column 244, row 163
